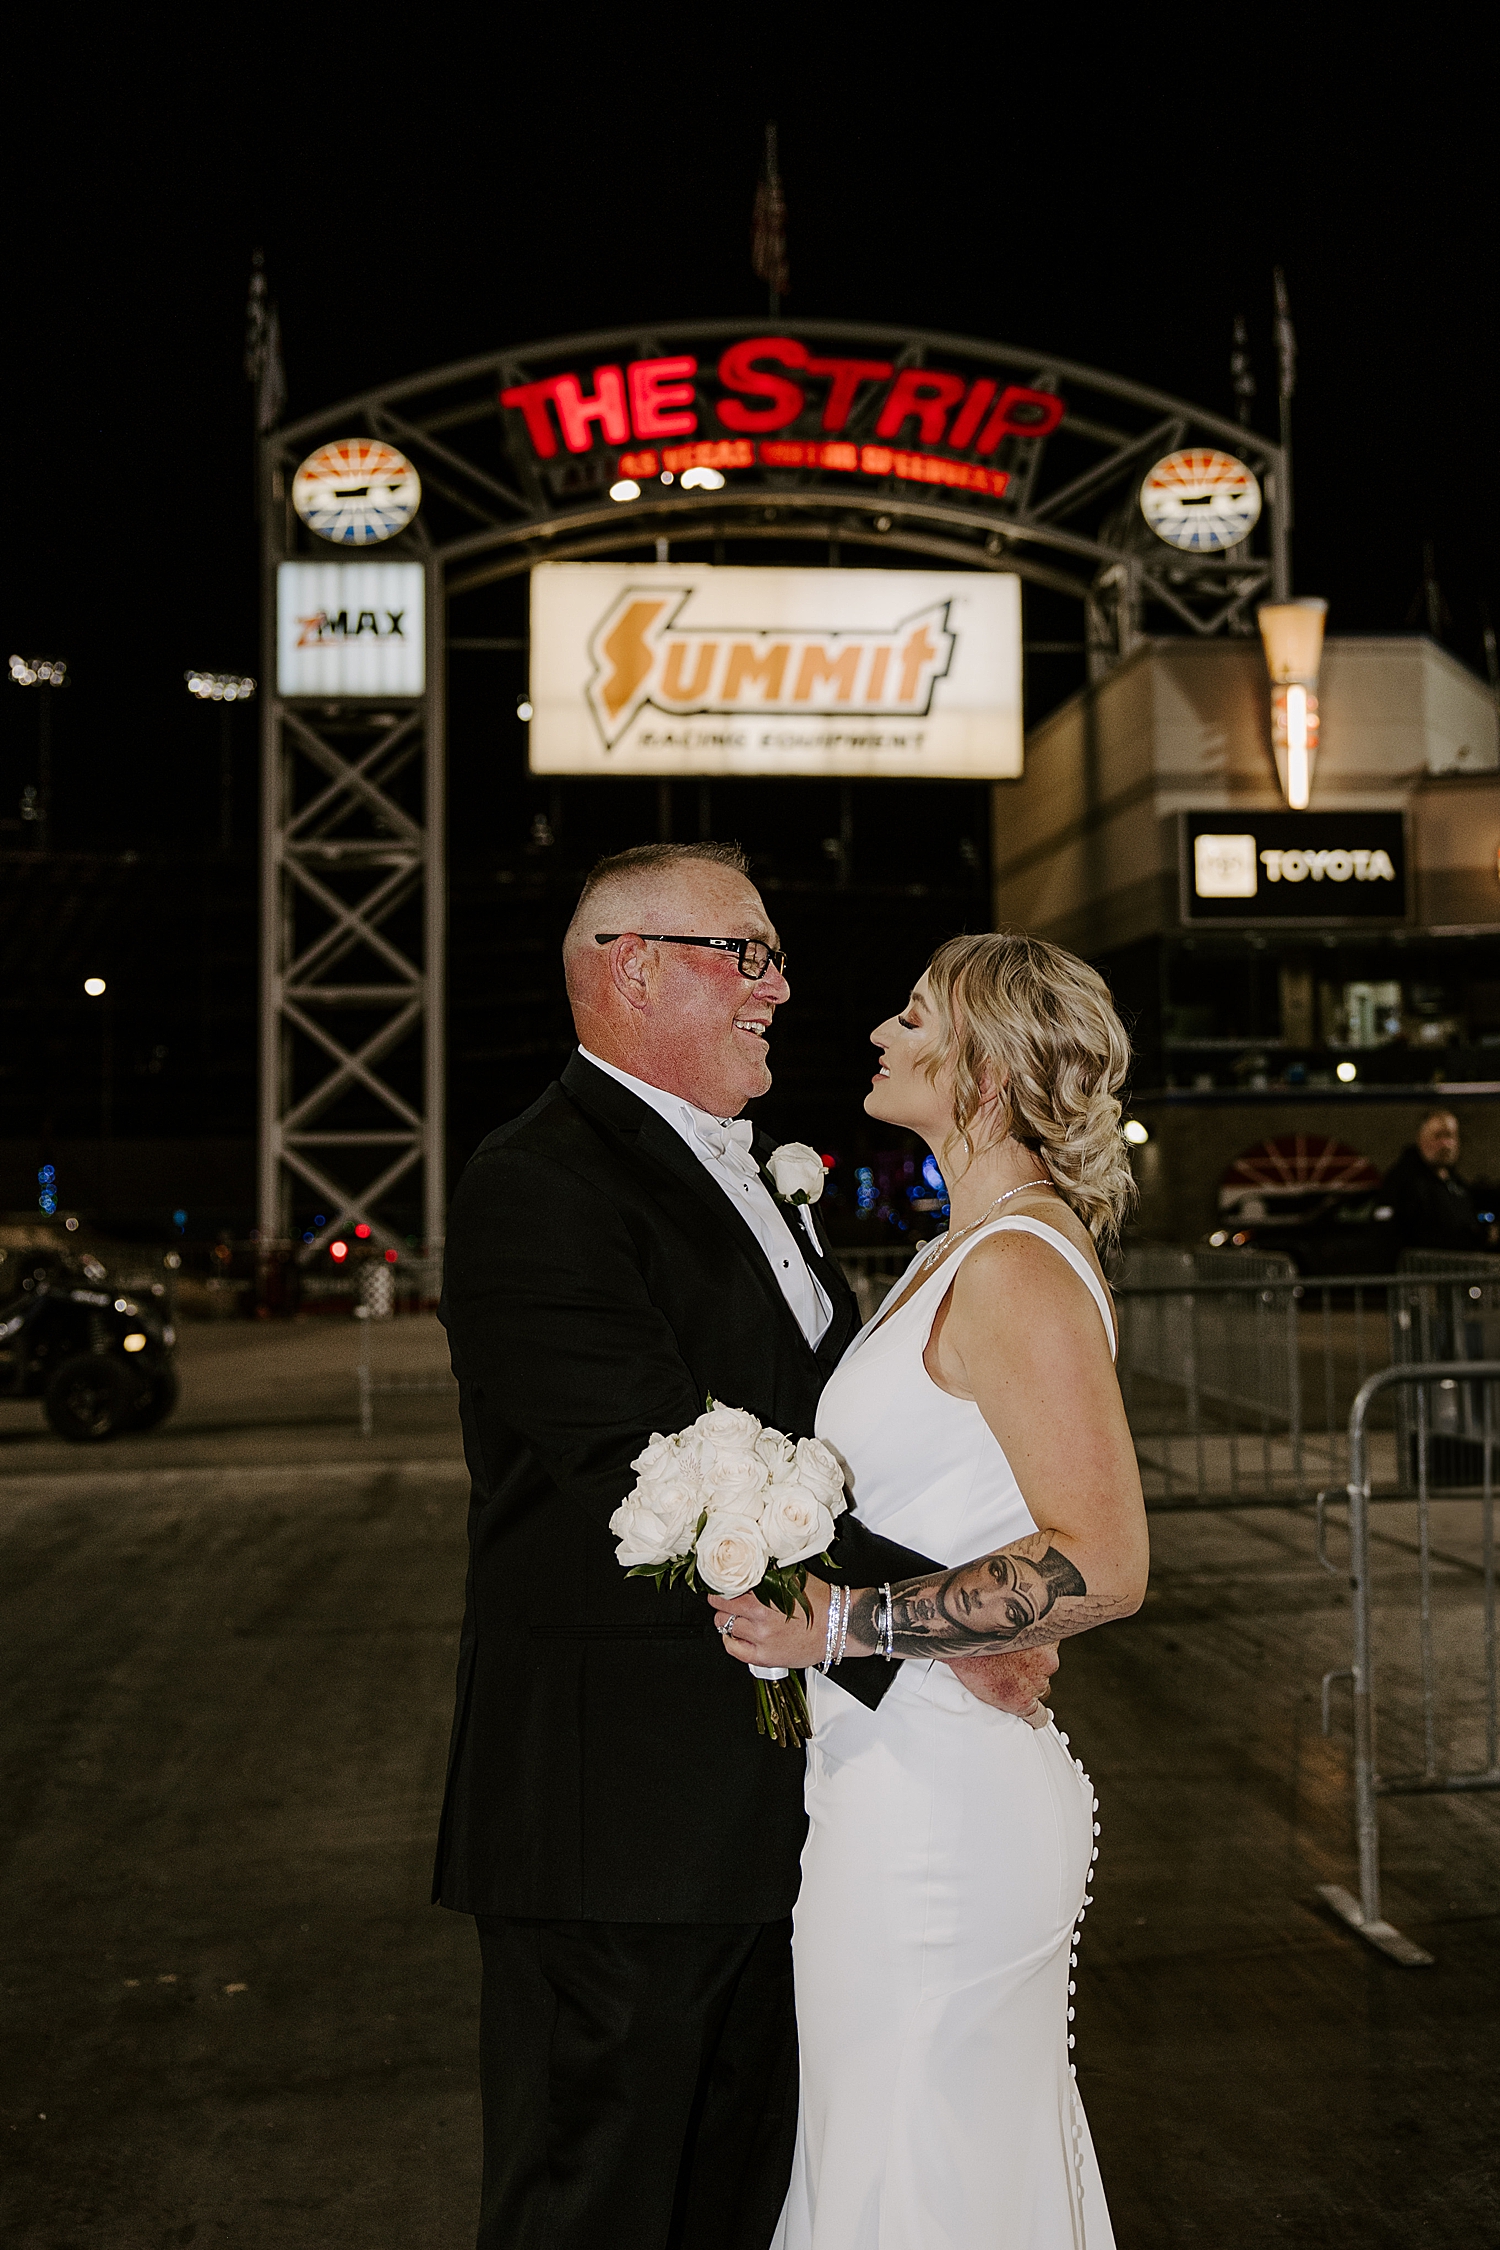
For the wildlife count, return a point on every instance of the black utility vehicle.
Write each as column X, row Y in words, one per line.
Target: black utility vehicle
column 98, row 1358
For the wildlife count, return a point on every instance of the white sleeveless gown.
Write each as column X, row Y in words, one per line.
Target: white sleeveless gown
column 943, row 1876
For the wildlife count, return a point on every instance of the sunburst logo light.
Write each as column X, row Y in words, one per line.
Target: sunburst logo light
column 356, row 492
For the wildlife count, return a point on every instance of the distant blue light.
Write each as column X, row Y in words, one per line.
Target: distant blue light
column 864, row 1187
column 933, row 1176
column 308, row 1236
column 48, row 1201
column 47, row 1175
column 319, row 1220
column 179, row 1221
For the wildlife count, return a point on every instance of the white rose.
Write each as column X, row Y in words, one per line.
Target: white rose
column 643, row 1535
column 677, row 1501
column 795, row 1523
column 729, row 1426
column 820, row 1467
column 777, row 1452
column 732, row 1555
column 663, row 1457
column 733, row 1478
column 796, row 1171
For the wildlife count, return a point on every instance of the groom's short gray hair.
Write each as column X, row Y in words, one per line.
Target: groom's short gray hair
column 659, row 859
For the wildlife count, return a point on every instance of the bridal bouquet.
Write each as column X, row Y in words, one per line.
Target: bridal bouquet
column 732, row 1506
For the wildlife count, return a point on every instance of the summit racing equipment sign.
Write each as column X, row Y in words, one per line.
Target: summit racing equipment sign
column 650, row 668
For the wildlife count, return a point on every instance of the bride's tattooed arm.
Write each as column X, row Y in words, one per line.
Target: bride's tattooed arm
column 1018, row 1598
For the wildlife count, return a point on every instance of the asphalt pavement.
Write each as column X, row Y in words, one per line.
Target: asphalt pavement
column 231, row 2016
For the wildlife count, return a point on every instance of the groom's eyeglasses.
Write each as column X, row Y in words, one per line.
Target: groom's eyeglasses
column 755, row 955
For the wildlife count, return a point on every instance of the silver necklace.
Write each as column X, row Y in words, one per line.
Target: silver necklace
column 946, row 1242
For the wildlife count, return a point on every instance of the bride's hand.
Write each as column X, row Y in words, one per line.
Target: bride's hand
column 1019, row 1684
column 758, row 1635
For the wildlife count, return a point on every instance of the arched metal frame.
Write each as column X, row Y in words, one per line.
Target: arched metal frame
column 353, row 797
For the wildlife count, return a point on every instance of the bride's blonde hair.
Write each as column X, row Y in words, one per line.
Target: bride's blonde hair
column 1023, row 1017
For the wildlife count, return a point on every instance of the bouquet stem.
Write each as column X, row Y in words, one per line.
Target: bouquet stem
column 782, row 1711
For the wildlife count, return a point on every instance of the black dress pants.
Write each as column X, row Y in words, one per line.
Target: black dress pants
column 639, row 2083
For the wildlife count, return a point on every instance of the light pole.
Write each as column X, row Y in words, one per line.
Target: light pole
column 226, row 689
column 46, row 673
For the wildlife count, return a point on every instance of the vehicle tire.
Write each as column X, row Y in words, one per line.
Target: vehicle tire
column 91, row 1397
column 160, row 1391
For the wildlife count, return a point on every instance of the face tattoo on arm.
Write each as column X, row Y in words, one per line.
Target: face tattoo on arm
column 990, row 1607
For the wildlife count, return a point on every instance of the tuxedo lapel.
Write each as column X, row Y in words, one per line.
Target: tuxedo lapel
column 616, row 1108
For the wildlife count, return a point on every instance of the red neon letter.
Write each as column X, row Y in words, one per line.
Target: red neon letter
column 1045, row 409
column 738, row 372
column 607, row 407
column 925, row 393
column 847, row 376
column 531, row 399
column 971, row 414
column 655, row 384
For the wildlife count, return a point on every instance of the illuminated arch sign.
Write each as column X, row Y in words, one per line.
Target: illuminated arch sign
column 671, row 415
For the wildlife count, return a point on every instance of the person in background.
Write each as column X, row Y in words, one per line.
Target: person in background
column 1432, row 1206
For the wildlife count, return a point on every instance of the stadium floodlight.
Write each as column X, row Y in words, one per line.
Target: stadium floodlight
column 219, row 687
column 39, row 671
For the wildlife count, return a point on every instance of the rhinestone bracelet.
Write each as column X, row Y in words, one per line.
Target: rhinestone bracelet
column 887, row 1625
column 831, row 1642
column 848, row 1604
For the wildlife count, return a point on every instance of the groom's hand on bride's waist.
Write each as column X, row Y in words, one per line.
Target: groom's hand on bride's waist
column 1019, row 1684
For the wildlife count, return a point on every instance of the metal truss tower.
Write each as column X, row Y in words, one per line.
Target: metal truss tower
column 353, row 921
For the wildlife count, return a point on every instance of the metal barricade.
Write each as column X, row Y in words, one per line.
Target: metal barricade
column 378, row 1311
column 1239, row 1387
column 1423, row 1382
column 1447, row 1308
column 1210, row 1371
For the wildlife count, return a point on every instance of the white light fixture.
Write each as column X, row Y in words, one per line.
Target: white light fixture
column 220, row 687
column 1346, row 1073
column 523, row 709
column 95, row 987
column 134, row 1343
column 1136, row 1133
column 38, row 671
column 626, row 489
column 1292, row 633
column 702, row 480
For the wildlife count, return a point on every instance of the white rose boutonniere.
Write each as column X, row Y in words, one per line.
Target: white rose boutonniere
column 796, row 1172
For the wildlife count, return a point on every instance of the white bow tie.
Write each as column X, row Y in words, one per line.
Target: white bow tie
column 729, row 1140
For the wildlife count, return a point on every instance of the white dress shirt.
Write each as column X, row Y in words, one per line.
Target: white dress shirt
column 722, row 1147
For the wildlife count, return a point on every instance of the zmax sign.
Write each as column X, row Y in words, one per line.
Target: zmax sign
column 1293, row 867
column 652, row 668
column 350, row 628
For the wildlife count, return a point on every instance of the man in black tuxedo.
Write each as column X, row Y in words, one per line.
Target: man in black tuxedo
column 626, row 1840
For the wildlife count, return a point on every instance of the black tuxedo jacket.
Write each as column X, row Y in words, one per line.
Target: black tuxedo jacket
column 605, row 1763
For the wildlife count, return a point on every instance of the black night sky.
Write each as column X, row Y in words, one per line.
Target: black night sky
column 1117, row 203
column 1113, row 199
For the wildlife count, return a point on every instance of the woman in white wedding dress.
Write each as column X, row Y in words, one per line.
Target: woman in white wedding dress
column 950, row 1843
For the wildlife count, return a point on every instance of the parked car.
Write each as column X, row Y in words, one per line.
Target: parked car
column 100, row 1361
